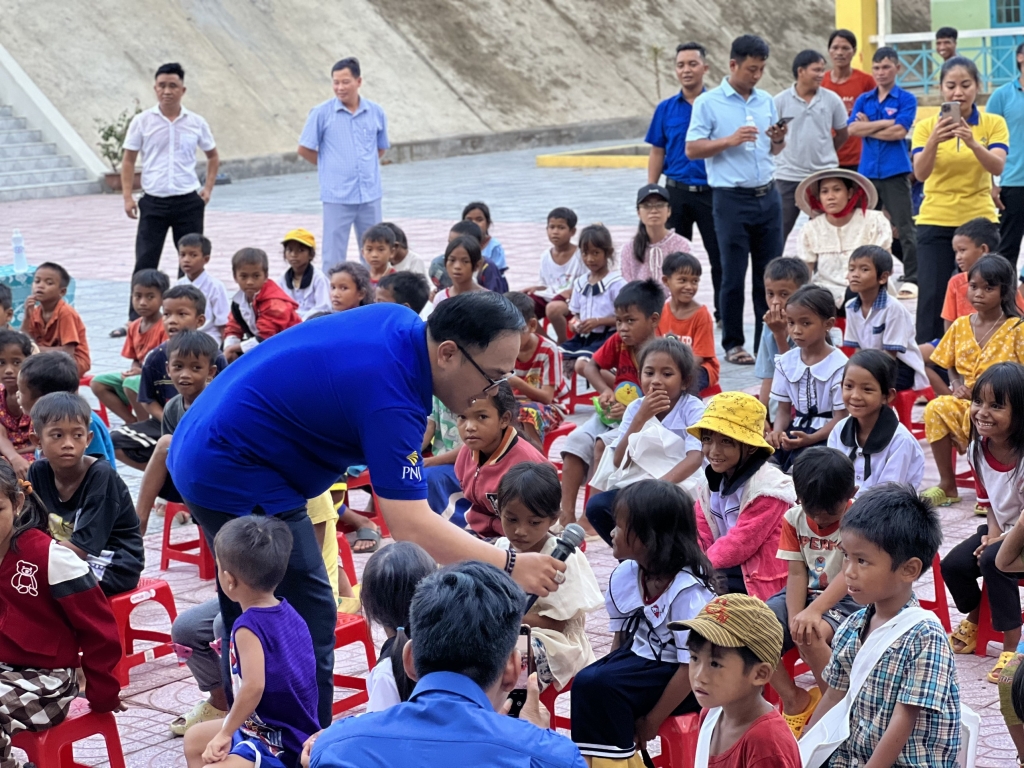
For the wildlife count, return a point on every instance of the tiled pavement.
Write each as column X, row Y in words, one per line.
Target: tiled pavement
column 94, row 240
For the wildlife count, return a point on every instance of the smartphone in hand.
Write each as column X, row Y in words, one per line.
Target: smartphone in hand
column 528, row 667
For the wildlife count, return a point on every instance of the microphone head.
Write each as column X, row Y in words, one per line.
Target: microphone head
column 573, row 534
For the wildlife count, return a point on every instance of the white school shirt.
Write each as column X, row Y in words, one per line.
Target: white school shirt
column 591, row 300
column 168, row 150
column 412, row 263
column 1000, row 485
column 890, row 327
column 315, row 293
column 559, row 277
column 381, row 687
column 681, row 601
column 685, row 413
column 217, row 306
column 818, row 386
column 901, row 461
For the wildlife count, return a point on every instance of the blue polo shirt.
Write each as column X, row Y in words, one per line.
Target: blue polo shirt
column 881, row 159
column 1007, row 101
column 286, row 419
column 721, row 112
column 668, row 131
column 448, row 720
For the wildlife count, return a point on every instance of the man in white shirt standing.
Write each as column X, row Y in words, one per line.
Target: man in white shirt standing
column 167, row 136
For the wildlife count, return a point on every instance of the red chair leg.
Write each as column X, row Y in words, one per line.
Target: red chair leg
column 548, row 697
column 678, row 742
column 940, row 605
column 348, row 631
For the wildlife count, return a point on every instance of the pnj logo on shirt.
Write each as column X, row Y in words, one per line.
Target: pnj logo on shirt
column 890, row 111
column 413, row 471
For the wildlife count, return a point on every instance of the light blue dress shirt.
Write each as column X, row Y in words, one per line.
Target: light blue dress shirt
column 721, row 112
column 1007, row 101
column 348, row 166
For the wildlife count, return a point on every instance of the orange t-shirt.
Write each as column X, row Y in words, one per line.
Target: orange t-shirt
column 698, row 330
column 138, row 343
column 859, row 82
column 956, row 303
column 65, row 327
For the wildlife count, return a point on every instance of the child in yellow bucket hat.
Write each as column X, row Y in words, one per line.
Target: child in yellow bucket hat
column 306, row 284
column 740, row 511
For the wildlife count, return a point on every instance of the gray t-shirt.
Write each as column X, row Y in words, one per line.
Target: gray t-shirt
column 809, row 146
column 173, row 412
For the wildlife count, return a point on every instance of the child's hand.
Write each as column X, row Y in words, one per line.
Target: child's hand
column 515, row 382
column 963, row 392
column 805, row 627
column 20, row 466
column 775, row 318
column 233, row 352
column 616, row 411
column 30, row 302
column 792, row 443
column 307, row 749
column 980, row 549
column 653, row 404
column 584, row 327
column 218, row 747
column 774, row 439
column 607, row 400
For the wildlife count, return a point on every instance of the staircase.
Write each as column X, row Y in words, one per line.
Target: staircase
column 30, row 167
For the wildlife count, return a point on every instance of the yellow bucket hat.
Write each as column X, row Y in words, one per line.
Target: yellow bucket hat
column 736, row 415
column 303, row 236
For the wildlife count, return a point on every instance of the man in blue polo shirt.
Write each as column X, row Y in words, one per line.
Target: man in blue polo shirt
column 686, row 179
column 1008, row 102
column 734, row 127
column 345, row 137
column 882, row 117
column 287, row 419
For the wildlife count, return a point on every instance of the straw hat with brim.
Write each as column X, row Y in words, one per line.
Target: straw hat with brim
column 736, row 415
column 738, row 621
column 810, row 185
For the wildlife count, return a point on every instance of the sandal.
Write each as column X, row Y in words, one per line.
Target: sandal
column 938, row 497
column 797, row 723
column 119, row 333
column 738, row 356
column 981, row 510
column 1004, row 658
column 200, row 713
column 366, row 533
column 967, row 633
column 907, row 291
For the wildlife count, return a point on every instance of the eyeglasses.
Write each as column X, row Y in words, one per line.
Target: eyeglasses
column 653, row 206
column 491, row 388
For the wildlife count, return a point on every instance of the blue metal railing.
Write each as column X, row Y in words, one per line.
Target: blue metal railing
column 995, row 56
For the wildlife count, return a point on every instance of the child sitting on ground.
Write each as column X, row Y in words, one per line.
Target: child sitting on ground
column 613, row 372
column 620, row 701
column 350, row 286
column 50, row 321
column 907, row 713
column 490, row 248
column 735, row 645
column 409, row 288
column 53, row 610
column 592, row 300
column 90, row 508
column 6, row 307
column 882, row 449
column 876, row 320
column 491, row 445
column 378, row 251
column 120, row 391
column 260, row 309
column 783, row 277
column 461, row 259
column 529, row 499
column 560, row 265
column 740, row 511
column 814, row 602
column 403, row 259
column 688, row 320
column 389, row 582
column 15, row 423
column 444, row 494
column 538, row 383
column 302, row 281
column 193, row 255
column 487, row 276
column 273, row 669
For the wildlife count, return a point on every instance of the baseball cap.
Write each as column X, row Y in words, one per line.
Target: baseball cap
column 738, row 621
column 303, row 236
column 651, row 189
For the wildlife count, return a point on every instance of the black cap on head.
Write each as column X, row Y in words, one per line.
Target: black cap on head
column 651, row 189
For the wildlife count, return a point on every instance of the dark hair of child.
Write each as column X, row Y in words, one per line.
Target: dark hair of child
column 247, row 257
column 190, row 292
column 661, row 516
column 467, row 228
column 996, row 270
column 379, row 233
column 681, row 262
column 65, row 278
column 568, row 215
column 9, row 338
column 60, row 406
column 33, row 513
column 880, row 365
column 645, row 295
column 52, row 372
column 193, row 344
column 255, row 550
column 815, row 298
column 681, row 354
column 824, row 479
column 151, row 278
column 524, row 304
column 478, row 206
column 389, row 583
column 398, row 232
column 504, row 401
column 695, row 643
column 980, row 231
column 409, row 288
column 195, row 240
column 788, row 268
column 1006, row 383
column 880, row 257
column 360, row 276
column 470, row 245
column 6, row 298
column 535, row 486
column 898, row 521
column 597, row 236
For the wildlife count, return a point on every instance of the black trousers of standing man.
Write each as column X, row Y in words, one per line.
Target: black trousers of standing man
column 182, row 214
column 694, row 205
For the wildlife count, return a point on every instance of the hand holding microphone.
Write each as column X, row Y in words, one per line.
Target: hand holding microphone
column 571, row 538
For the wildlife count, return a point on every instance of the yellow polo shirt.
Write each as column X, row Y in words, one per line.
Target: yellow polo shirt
column 959, row 188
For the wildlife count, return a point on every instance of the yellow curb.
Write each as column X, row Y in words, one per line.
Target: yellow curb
column 620, row 156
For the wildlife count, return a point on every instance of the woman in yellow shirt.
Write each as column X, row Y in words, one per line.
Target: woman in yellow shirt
column 956, row 159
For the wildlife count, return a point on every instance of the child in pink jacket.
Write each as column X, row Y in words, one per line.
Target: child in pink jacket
column 740, row 513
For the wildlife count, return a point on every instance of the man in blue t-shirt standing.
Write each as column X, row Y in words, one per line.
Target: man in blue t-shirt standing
column 1008, row 102
column 287, row 419
column 686, row 179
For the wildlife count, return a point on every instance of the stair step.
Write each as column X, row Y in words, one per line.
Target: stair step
column 37, row 163
column 31, row 178
column 28, row 149
column 6, row 111
column 37, row 191
column 9, row 123
column 24, row 136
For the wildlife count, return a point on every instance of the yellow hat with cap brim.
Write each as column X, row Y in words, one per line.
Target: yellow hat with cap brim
column 736, row 415
column 303, row 236
column 738, row 621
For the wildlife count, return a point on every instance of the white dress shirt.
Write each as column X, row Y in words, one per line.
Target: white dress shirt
column 168, row 150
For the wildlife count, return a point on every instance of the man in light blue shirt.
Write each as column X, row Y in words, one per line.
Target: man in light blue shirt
column 345, row 137
column 1008, row 102
column 735, row 129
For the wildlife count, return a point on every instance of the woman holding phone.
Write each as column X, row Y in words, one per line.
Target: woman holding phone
column 956, row 154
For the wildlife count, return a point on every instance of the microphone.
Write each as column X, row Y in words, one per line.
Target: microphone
column 572, row 537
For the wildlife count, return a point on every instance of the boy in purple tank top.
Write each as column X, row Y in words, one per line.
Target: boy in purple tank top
column 273, row 669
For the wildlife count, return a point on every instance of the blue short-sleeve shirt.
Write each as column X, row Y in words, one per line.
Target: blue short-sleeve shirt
column 1007, row 101
column 879, row 158
column 285, row 420
column 668, row 131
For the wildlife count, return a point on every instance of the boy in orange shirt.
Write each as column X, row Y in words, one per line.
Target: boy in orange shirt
column 688, row 320
column 50, row 321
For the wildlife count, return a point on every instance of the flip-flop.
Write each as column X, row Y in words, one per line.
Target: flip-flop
column 981, row 510
column 967, row 633
column 1004, row 658
column 367, row 534
column 938, row 497
column 797, row 723
column 119, row 333
column 738, row 356
column 200, row 713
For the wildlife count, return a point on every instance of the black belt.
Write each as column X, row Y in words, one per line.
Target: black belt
column 752, row 191
column 696, row 188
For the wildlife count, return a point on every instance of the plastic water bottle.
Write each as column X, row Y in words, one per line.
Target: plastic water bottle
column 20, row 262
column 750, row 145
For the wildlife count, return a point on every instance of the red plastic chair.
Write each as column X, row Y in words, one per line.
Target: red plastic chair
column 841, row 324
column 547, row 698
column 86, row 381
column 986, row 634
column 53, row 747
column 714, row 389
column 678, row 742
column 363, row 481
column 848, row 351
column 122, row 605
column 579, row 398
column 552, row 435
column 904, row 407
column 348, row 630
column 940, row 605
column 195, row 551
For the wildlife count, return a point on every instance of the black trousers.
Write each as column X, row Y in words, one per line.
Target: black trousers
column 1011, row 223
column 938, row 263
column 305, row 587
column 600, row 512
column 961, row 571
column 182, row 214
column 894, row 197
column 689, row 208
column 790, row 210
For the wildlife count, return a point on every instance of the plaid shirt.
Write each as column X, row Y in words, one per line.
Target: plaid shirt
column 918, row 670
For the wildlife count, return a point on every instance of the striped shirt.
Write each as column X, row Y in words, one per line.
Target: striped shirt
column 544, row 369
